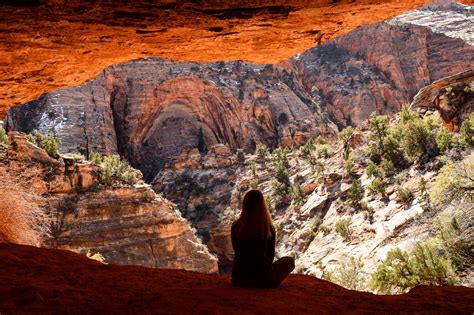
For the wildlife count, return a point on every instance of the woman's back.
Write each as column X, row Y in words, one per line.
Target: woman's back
column 252, row 259
column 253, row 239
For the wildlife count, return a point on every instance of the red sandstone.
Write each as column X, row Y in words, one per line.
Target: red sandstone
column 51, row 281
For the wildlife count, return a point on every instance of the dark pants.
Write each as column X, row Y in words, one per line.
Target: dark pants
column 262, row 277
column 282, row 268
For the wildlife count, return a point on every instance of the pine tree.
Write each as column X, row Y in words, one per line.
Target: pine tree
column 201, row 142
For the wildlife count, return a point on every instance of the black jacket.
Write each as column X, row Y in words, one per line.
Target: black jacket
column 253, row 261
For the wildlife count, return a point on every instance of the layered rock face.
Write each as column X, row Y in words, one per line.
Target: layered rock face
column 53, row 44
column 381, row 66
column 180, row 122
column 151, row 110
column 127, row 225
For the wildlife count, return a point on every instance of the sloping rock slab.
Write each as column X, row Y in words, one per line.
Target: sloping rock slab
column 51, row 281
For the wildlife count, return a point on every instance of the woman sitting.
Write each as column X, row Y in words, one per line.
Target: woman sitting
column 253, row 239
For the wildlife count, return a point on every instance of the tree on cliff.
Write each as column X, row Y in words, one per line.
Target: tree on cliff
column 201, row 141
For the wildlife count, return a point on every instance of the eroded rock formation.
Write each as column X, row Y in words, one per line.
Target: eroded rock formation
column 53, row 44
column 181, row 122
column 452, row 97
column 381, row 66
column 151, row 110
column 127, row 225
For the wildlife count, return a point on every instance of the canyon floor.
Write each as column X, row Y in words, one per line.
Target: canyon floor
column 51, row 46
column 45, row 281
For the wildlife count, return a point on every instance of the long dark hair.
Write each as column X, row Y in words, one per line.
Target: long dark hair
column 255, row 220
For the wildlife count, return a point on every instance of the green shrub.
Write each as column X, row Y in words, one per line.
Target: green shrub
column 261, row 150
column 253, row 166
column 355, row 194
column 147, row 197
column 467, row 130
column 377, row 186
column 48, row 143
column 411, row 139
column 415, row 140
column 321, row 140
column 279, row 189
column 349, row 163
column 95, row 157
column 387, row 167
column 404, row 194
column 344, row 136
column 348, row 275
column 343, row 227
column 240, row 155
column 423, row 190
column 407, row 115
column 392, row 150
column 453, row 241
column 280, row 154
column 316, row 224
column 401, row 271
column 324, row 229
column 115, row 170
column 270, row 206
column 253, row 183
column 378, row 132
column 444, row 139
column 96, row 256
column 281, row 181
column 324, row 151
column 373, row 170
column 3, row 137
column 297, row 192
column 369, row 211
column 307, row 148
column 316, row 165
column 454, row 181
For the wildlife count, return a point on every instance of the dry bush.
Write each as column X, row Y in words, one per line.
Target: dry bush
column 22, row 221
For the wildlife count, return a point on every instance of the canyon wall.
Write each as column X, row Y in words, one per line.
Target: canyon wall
column 181, row 122
column 126, row 224
column 53, row 44
column 150, row 110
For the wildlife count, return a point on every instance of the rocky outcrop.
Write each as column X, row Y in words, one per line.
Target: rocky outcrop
column 440, row 13
column 54, row 44
column 127, row 224
column 452, row 97
column 151, row 110
column 65, row 282
column 203, row 190
column 381, row 66
column 181, row 122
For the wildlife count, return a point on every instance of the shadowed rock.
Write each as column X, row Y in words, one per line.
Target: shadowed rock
column 65, row 282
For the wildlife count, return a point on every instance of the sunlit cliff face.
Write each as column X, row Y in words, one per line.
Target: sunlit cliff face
column 48, row 45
